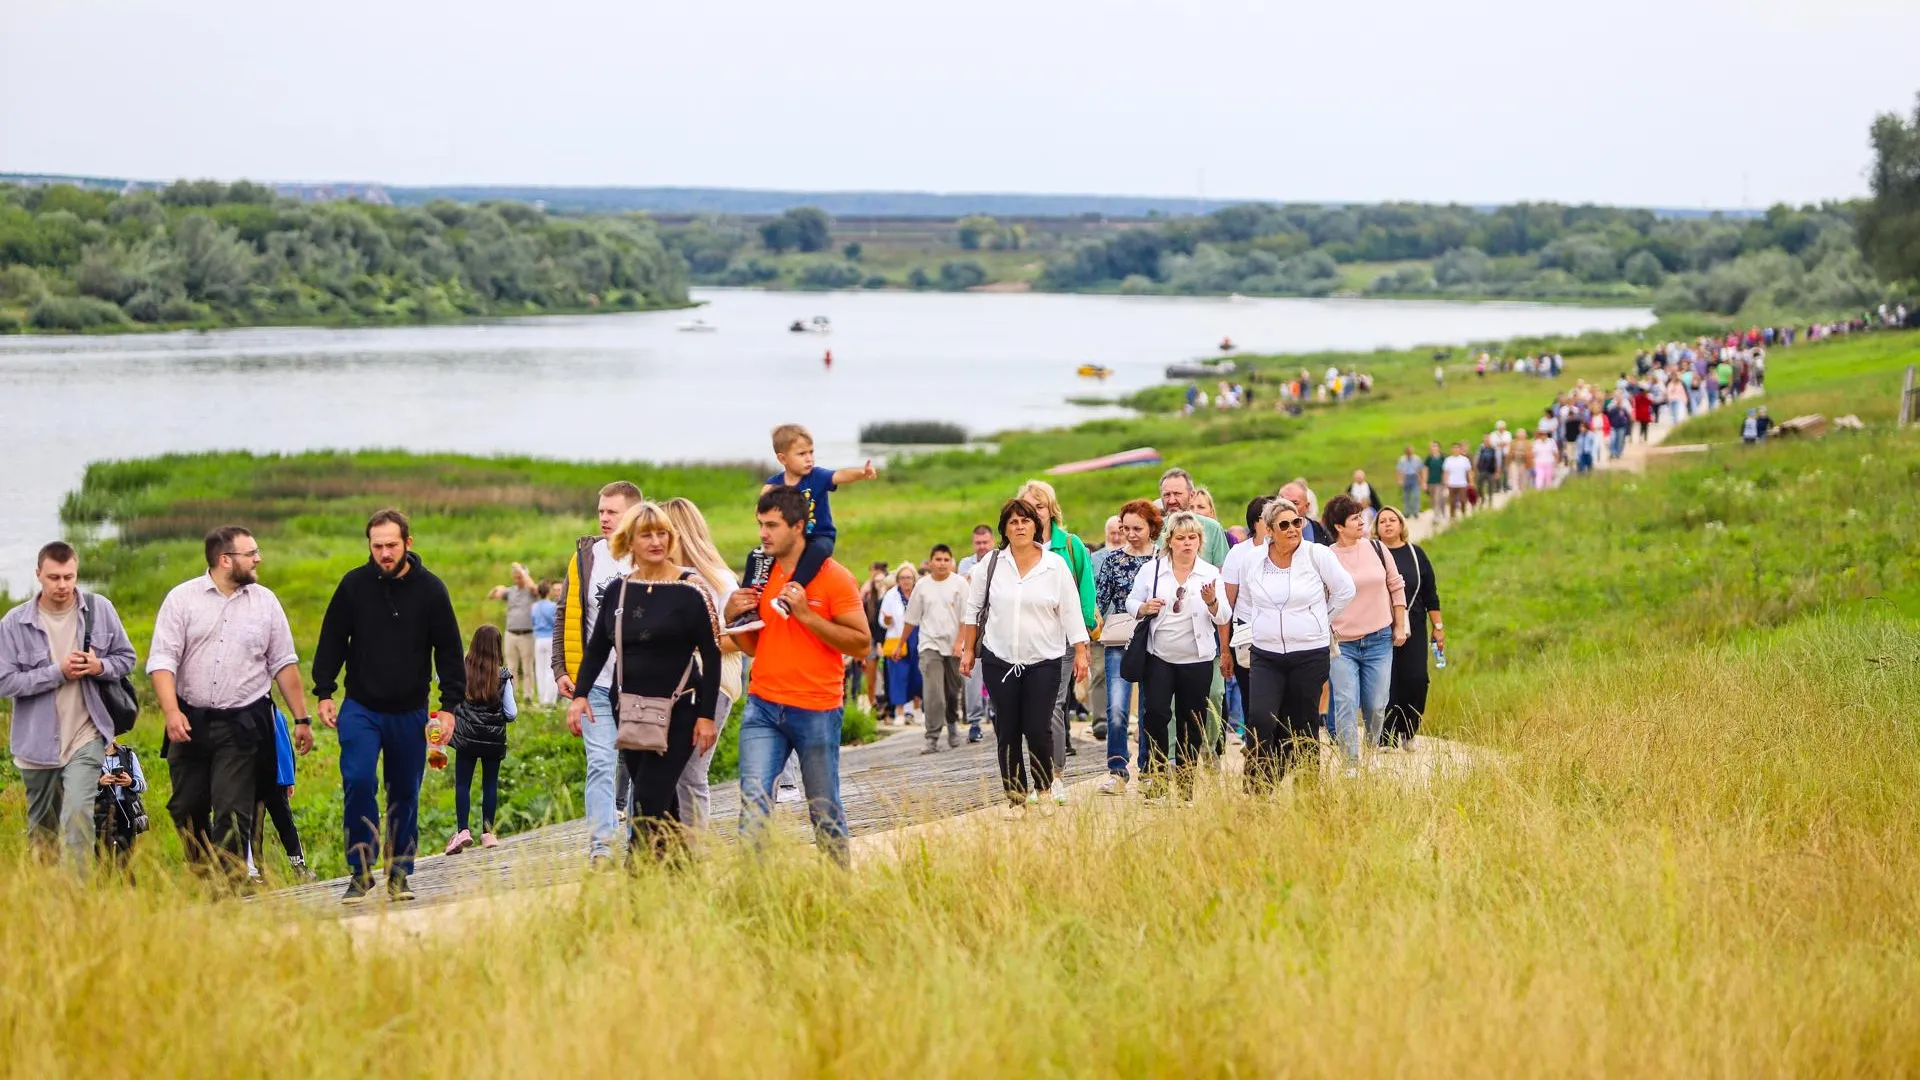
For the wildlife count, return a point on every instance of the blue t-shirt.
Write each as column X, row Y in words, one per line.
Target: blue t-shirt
column 815, row 485
column 543, row 614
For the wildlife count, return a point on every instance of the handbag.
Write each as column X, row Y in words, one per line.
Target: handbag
column 642, row 720
column 1133, row 665
column 117, row 695
column 1117, row 628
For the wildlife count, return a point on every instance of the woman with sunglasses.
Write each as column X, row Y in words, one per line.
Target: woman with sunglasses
column 1182, row 594
column 1288, row 596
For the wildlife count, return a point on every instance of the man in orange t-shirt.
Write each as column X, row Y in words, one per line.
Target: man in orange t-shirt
column 794, row 702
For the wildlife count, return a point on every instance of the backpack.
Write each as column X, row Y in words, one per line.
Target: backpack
column 117, row 695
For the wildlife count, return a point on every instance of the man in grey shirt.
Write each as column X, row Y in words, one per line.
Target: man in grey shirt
column 975, row 690
column 49, row 664
column 518, row 640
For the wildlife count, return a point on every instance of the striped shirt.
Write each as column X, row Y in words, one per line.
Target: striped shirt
column 223, row 651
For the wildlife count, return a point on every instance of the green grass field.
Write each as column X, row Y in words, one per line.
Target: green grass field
column 1694, row 851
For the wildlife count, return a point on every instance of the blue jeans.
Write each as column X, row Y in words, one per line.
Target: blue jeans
column 1361, row 676
column 769, row 734
column 603, row 760
column 365, row 736
column 1410, row 496
column 1120, row 698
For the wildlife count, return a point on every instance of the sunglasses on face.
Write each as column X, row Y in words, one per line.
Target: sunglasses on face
column 1288, row 523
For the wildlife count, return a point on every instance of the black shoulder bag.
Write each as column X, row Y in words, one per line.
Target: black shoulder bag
column 122, row 704
column 1133, row 663
column 986, row 602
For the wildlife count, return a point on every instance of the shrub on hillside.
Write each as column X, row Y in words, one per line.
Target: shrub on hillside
column 916, row 432
column 75, row 313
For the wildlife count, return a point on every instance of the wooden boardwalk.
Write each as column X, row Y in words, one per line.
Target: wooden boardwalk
column 883, row 785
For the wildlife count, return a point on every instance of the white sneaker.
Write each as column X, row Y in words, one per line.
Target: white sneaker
column 1114, row 784
column 1059, row 793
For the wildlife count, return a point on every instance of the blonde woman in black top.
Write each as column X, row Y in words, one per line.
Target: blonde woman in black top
column 1407, row 687
column 668, row 616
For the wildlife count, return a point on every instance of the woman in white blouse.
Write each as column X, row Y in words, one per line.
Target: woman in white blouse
column 1022, row 614
column 1182, row 594
column 1288, row 596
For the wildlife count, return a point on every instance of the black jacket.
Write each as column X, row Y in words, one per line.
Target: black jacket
column 391, row 633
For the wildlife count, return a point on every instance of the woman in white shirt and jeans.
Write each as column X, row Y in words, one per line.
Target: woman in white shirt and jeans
column 1023, row 612
column 1182, row 594
column 1288, row 596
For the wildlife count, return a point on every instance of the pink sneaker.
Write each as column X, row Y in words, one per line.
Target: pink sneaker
column 487, row 839
column 461, row 841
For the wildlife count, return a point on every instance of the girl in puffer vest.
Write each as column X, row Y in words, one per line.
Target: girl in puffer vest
column 480, row 736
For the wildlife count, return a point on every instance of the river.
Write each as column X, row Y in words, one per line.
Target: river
column 545, row 386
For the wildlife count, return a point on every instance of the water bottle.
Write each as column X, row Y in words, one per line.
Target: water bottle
column 436, row 753
column 1439, row 656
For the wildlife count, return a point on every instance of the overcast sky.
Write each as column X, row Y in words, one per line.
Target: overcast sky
column 1642, row 102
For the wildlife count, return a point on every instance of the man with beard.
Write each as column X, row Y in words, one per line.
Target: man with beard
column 391, row 622
column 220, row 642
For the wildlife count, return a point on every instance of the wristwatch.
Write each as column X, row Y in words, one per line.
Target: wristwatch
column 303, row 721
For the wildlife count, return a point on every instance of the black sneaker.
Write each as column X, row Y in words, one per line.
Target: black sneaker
column 357, row 890
column 745, row 624
column 397, row 888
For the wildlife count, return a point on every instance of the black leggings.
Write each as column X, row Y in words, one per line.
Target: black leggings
column 653, row 817
column 1022, row 709
column 463, row 761
column 273, row 799
column 1283, row 712
column 814, row 556
column 1174, row 694
column 1407, row 688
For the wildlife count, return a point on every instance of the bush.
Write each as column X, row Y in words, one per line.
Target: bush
column 913, row 432
column 831, row 276
column 75, row 313
column 8, row 323
column 955, row 276
column 874, row 281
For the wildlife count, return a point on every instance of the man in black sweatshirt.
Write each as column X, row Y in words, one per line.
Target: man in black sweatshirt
column 392, row 623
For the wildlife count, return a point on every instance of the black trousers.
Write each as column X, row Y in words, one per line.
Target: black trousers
column 216, row 778
column 1283, row 713
column 1175, row 695
column 463, row 763
column 1022, row 710
column 1407, row 686
column 270, row 804
column 653, row 818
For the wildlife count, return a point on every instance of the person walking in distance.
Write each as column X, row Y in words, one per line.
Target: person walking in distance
column 1096, row 652
column 976, row 685
column 542, row 615
column 1289, row 597
column 1458, row 470
column 693, row 548
column 933, row 614
column 1436, row 464
column 520, row 596
column 1409, row 469
column 480, row 737
column 591, row 569
column 49, row 667
column 220, row 643
column 794, row 703
column 873, row 668
column 901, row 649
column 1023, row 615
column 391, row 624
column 660, row 627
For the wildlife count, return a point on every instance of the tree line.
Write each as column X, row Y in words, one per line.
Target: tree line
column 204, row 252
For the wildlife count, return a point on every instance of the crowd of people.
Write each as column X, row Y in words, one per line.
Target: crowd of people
column 1298, row 626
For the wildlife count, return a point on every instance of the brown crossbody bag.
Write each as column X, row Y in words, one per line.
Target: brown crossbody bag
column 643, row 720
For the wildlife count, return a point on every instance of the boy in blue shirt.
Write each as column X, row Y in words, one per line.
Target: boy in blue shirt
column 793, row 448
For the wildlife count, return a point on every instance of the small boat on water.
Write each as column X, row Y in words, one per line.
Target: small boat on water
column 1199, row 369
column 1093, row 371
column 697, row 326
column 819, row 325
